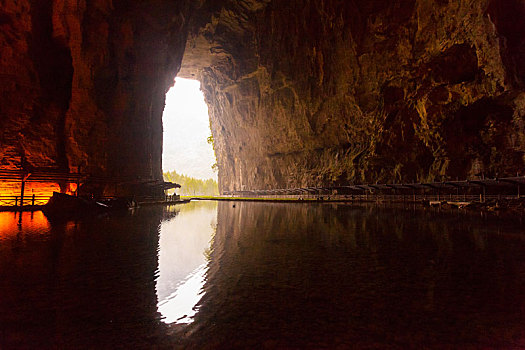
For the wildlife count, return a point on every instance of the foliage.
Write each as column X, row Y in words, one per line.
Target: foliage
column 192, row 186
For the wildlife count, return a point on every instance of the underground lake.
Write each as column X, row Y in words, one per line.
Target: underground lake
column 214, row 275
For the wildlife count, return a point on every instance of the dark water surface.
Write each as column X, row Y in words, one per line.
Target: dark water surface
column 208, row 275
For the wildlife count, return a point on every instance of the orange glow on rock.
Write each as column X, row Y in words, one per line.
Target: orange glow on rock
column 72, row 188
column 42, row 192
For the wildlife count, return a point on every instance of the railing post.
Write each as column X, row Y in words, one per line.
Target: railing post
column 33, row 200
column 22, row 194
column 16, row 201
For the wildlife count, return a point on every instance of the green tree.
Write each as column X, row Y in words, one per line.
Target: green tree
column 191, row 186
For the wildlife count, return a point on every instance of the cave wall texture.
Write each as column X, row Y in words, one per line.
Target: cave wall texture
column 83, row 83
column 330, row 92
column 301, row 92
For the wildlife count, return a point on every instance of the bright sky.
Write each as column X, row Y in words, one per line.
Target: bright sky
column 186, row 129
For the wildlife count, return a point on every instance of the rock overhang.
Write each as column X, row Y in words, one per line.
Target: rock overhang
column 300, row 92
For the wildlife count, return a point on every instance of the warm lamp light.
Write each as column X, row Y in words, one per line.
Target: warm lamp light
column 72, row 188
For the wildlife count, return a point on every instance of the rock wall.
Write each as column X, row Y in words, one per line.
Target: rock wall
column 330, row 92
column 83, row 83
column 301, row 92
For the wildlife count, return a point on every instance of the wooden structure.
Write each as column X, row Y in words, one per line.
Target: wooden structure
column 474, row 189
column 150, row 189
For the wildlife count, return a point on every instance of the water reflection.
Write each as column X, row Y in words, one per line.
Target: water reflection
column 279, row 276
column 87, row 284
column 184, row 244
column 12, row 223
column 335, row 276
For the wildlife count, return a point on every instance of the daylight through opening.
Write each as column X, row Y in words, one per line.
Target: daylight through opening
column 188, row 157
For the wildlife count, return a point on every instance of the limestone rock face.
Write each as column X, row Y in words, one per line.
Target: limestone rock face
column 83, row 83
column 330, row 92
column 301, row 92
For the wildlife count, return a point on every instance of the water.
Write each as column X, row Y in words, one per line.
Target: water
column 209, row 275
column 183, row 258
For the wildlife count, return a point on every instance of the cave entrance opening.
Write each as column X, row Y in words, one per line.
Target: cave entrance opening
column 188, row 157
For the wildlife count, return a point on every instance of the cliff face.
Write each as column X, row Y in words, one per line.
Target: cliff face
column 326, row 92
column 84, row 82
column 301, row 92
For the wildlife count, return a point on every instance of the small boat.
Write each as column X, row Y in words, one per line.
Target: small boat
column 64, row 206
column 119, row 204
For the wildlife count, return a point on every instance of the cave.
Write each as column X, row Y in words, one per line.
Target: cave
column 301, row 94
column 84, row 87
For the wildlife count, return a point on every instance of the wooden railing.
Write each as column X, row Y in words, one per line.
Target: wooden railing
column 464, row 190
column 373, row 197
column 23, row 178
column 16, row 201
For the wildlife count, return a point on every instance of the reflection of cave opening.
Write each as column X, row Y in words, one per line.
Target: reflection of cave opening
column 188, row 146
column 184, row 251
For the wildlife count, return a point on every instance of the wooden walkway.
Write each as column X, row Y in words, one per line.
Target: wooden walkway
column 21, row 177
column 465, row 190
